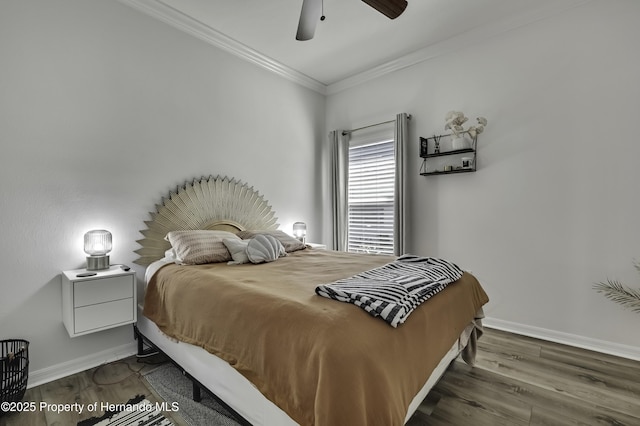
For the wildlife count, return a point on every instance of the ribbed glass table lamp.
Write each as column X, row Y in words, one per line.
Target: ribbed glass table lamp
column 300, row 231
column 97, row 244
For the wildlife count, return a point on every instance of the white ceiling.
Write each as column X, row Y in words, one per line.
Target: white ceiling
column 354, row 39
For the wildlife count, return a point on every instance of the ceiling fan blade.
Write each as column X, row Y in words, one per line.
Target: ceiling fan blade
column 390, row 8
column 309, row 17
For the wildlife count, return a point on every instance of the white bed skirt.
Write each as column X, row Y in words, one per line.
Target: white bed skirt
column 238, row 392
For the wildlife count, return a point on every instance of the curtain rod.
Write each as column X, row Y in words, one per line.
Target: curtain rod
column 346, row 132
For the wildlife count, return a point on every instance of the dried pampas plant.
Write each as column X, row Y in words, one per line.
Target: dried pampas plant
column 616, row 291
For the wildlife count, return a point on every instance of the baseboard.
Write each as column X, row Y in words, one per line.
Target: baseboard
column 603, row 346
column 76, row 365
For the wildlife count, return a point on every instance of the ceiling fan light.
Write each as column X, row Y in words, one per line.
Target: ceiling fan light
column 309, row 16
column 390, row 8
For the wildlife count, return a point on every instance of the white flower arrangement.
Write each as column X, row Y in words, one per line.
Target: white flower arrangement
column 455, row 120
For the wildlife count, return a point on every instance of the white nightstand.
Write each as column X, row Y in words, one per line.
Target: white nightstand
column 317, row 246
column 98, row 302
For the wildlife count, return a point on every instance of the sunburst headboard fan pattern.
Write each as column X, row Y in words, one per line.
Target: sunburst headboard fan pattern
column 207, row 203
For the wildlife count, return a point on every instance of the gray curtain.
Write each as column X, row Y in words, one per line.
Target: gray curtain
column 339, row 151
column 401, row 137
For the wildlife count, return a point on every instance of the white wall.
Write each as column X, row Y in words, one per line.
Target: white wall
column 103, row 110
column 554, row 206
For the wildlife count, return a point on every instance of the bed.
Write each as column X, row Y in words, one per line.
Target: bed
column 260, row 338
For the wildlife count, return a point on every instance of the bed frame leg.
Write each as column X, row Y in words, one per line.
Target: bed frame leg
column 137, row 336
column 142, row 352
column 197, row 394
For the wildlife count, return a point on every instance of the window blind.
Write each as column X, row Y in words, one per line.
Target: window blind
column 371, row 197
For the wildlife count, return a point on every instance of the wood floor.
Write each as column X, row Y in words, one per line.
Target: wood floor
column 516, row 381
column 523, row 381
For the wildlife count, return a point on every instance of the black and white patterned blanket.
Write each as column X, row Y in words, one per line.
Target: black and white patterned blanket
column 394, row 290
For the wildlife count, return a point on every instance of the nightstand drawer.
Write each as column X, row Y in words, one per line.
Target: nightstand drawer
column 103, row 315
column 103, row 290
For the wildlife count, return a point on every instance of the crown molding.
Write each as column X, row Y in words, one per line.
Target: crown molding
column 165, row 13
column 452, row 44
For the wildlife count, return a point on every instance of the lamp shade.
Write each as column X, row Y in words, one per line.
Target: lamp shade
column 97, row 242
column 300, row 230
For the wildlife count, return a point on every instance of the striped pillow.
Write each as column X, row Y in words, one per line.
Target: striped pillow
column 200, row 246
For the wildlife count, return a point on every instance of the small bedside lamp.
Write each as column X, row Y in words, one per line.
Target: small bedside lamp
column 97, row 244
column 300, row 231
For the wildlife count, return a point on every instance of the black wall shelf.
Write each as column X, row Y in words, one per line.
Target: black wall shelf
column 430, row 148
column 447, row 172
column 455, row 151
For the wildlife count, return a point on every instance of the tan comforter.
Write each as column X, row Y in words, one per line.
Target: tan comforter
column 322, row 361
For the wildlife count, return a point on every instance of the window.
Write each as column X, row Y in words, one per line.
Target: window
column 371, row 196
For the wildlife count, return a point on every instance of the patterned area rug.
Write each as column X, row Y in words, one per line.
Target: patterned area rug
column 175, row 388
column 137, row 411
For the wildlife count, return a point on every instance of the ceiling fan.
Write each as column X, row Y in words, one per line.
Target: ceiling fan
column 312, row 13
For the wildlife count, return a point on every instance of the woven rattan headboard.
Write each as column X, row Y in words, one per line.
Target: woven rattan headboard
column 206, row 203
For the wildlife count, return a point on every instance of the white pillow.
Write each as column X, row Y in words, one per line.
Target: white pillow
column 289, row 243
column 238, row 250
column 194, row 247
column 170, row 255
column 264, row 248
